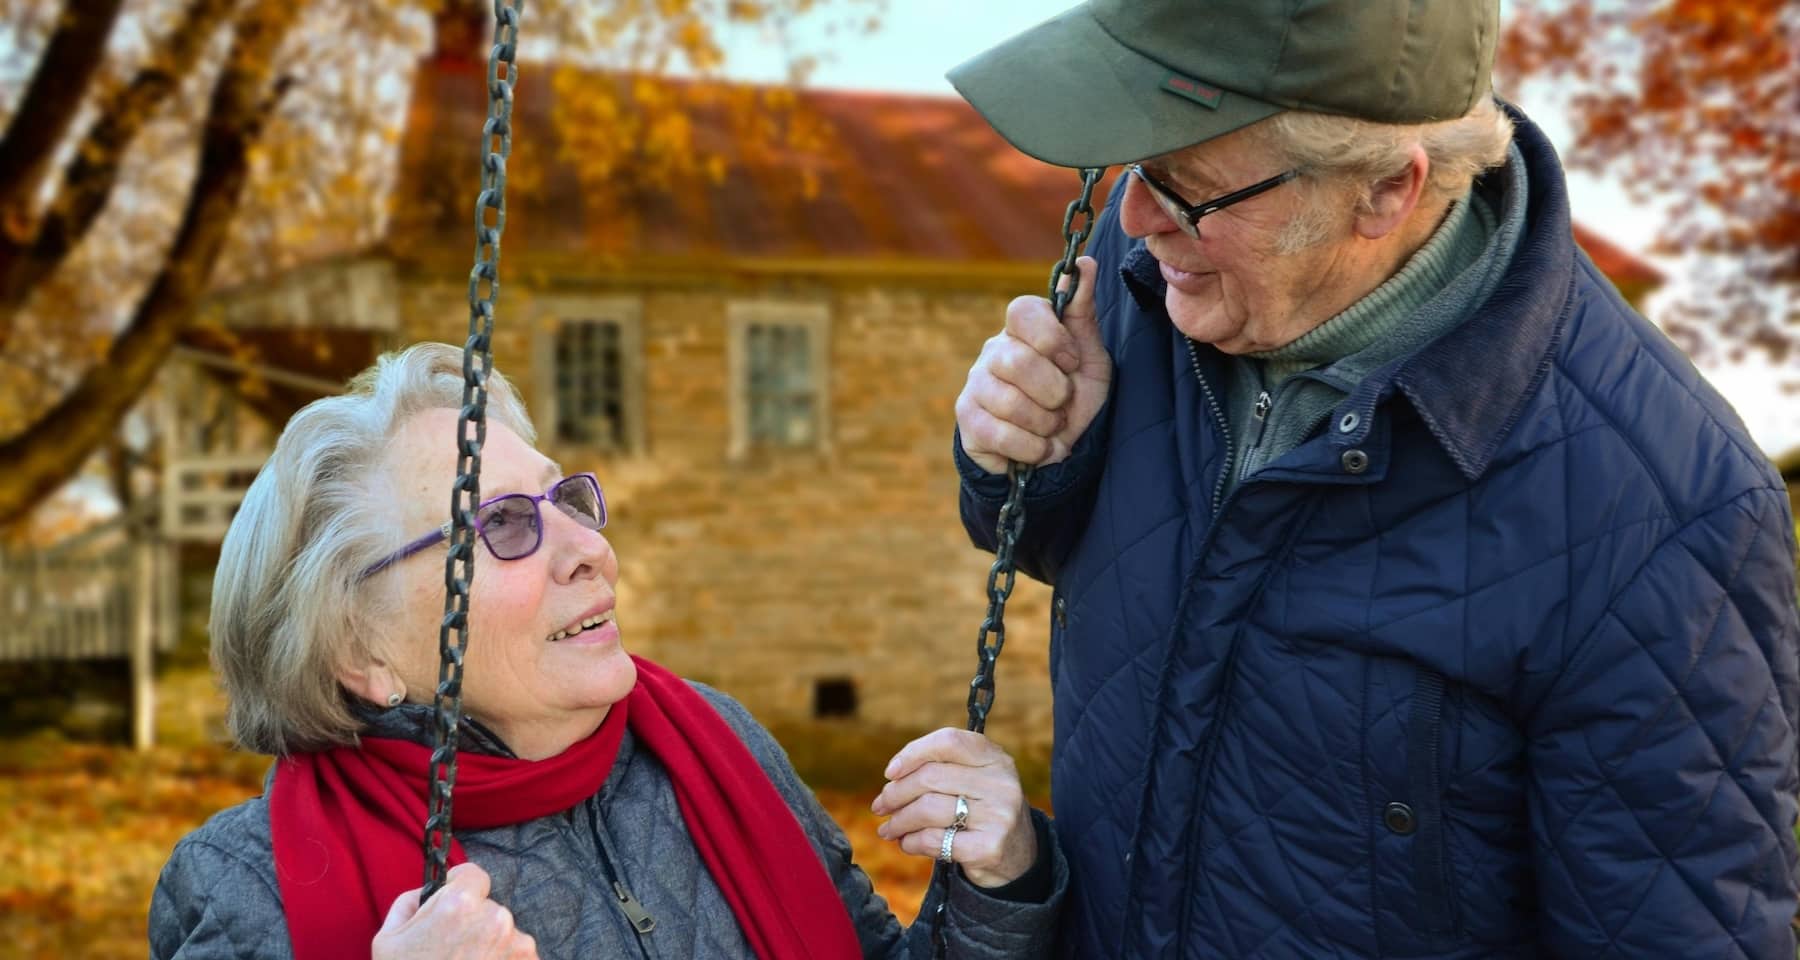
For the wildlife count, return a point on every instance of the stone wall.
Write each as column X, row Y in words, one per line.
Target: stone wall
column 772, row 571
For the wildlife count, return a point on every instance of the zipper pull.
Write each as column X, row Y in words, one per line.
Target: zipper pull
column 1263, row 403
column 641, row 920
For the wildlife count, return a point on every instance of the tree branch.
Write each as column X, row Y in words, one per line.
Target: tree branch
column 52, row 450
column 93, row 170
column 49, row 106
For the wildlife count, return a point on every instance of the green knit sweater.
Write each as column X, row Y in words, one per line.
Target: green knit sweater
column 1278, row 398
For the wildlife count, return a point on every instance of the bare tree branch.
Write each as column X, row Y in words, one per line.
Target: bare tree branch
column 93, row 170
column 48, row 107
column 37, row 461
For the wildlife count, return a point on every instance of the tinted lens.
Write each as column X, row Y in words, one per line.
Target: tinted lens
column 510, row 526
column 1176, row 210
column 579, row 497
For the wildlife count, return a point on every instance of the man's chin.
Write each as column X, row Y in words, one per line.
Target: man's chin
column 1199, row 319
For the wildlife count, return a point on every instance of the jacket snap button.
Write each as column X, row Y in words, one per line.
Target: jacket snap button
column 1355, row 461
column 1399, row 818
column 1061, row 612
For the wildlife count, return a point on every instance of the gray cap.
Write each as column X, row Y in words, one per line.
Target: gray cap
column 1113, row 81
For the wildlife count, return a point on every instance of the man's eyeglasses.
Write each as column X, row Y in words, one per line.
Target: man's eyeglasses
column 1187, row 215
column 511, row 524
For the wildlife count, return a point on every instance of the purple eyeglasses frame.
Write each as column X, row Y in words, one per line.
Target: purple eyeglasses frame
column 537, row 504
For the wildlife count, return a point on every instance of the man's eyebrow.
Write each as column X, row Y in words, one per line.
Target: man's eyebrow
column 1182, row 176
column 551, row 473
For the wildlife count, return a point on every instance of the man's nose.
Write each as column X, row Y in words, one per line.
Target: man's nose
column 1139, row 213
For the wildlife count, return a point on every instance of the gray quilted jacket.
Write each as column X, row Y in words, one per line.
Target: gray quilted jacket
column 217, row 896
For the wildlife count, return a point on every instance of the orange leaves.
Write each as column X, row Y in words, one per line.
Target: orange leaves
column 1683, row 98
column 899, row 878
column 88, row 829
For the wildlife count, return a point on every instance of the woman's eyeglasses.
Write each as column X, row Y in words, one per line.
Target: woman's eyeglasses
column 511, row 524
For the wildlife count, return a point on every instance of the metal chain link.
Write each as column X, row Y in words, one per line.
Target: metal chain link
column 478, row 361
column 1012, row 521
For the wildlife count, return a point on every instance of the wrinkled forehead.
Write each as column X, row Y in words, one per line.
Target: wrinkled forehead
column 422, row 461
column 1218, row 163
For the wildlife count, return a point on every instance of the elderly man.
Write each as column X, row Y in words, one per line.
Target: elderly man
column 1413, row 596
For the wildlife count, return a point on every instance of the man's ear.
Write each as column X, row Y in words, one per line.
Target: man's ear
column 1393, row 200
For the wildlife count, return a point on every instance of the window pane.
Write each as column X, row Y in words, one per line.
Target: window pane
column 780, row 402
column 590, row 383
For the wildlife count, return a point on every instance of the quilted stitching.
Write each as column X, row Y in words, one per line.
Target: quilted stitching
column 548, row 872
column 1610, row 601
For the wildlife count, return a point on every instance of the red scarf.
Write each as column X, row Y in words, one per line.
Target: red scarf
column 347, row 824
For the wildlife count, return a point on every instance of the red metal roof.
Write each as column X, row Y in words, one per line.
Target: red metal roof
column 1622, row 267
column 900, row 177
column 911, row 177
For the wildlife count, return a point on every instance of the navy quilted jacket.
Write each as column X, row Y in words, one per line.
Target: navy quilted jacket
column 1523, row 685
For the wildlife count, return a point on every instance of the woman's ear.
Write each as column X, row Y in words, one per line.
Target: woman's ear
column 1393, row 200
column 370, row 678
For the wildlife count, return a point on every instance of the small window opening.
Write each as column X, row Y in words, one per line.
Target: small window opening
column 834, row 697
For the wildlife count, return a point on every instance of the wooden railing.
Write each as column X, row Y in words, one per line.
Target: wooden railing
column 106, row 593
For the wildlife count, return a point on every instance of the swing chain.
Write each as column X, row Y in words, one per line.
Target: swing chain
column 478, row 362
column 1012, row 524
column 1012, row 512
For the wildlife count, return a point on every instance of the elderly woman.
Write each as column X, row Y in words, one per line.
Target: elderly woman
column 604, row 807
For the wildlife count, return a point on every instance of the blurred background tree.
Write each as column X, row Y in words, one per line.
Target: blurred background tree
column 154, row 148
column 1695, row 103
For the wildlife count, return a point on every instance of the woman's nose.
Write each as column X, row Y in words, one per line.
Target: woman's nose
column 579, row 551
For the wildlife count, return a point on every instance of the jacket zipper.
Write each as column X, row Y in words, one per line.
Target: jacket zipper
column 1218, row 412
column 1253, row 457
column 639, row 918
column 1431, row 880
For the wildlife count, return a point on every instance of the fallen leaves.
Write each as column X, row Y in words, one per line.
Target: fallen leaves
column 88, row 828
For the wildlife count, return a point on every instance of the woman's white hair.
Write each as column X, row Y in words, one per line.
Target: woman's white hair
column 289, row 606
column 1341, row 155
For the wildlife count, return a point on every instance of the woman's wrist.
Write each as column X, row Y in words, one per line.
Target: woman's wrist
column 1039, row 880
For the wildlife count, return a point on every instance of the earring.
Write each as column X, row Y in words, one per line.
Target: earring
column 395, row 698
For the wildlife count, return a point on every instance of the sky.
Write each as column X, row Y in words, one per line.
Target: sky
column 919, row 40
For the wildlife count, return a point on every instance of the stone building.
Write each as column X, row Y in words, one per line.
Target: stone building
column 761, row 372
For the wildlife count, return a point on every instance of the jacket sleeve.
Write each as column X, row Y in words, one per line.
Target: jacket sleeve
column 1663, row 754
column 1059, row 496
column 211, row 905
column 1057, row 501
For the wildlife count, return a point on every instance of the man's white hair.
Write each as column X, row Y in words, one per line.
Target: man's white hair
column 1343, row 155
column 289, row 605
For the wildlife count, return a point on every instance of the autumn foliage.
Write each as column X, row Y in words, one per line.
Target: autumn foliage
column 88, row 827
column 154, row 150
column 1694, row 100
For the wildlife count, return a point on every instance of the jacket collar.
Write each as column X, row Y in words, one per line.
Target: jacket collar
column 1469, row 385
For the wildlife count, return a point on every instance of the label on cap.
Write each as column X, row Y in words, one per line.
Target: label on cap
column 1203, row 94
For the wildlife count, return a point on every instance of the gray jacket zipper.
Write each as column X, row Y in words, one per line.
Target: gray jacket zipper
column 639, row 918
column 1253, row 455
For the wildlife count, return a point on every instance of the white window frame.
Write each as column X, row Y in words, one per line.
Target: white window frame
column 812, row 315
column 557, row 311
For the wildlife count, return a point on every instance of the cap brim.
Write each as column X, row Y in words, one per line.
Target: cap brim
column 1069, row 94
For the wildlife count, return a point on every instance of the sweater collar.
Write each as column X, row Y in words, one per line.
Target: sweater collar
column 1469, row 384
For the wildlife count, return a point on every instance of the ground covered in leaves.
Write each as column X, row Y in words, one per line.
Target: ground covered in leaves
column 88, row 827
